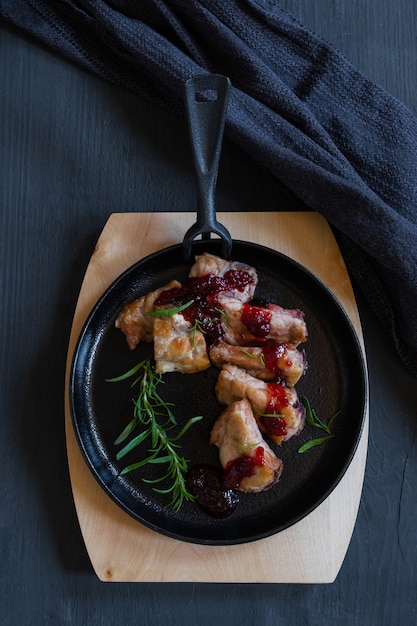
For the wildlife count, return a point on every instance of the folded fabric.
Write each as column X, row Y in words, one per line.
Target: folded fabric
column 344, row 146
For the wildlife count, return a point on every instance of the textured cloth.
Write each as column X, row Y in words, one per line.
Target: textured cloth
column 344, row 146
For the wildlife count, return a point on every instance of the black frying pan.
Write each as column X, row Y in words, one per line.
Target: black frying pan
column 335, row 379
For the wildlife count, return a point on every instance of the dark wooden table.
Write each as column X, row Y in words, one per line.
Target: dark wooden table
column 74, row 149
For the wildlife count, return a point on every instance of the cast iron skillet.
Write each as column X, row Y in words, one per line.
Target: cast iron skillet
column 335, row 378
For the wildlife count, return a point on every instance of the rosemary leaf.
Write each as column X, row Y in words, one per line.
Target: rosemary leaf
column 188, row 425
column 152, row 481
column 223, row 314
column 127, row 374
column 132, row 444
column 333, row 417
column 169, row 312
column 161, row 459
column 126, row 432
column 312, row 418
column 164, row 491
column 249, row 354
column 134, row 466
column 309, row 412
column 312, row 443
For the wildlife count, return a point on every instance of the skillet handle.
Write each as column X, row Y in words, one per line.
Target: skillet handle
column 206, row 102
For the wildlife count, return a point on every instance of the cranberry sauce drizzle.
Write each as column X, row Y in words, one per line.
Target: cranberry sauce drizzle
column 257, row 320
column 272, row 353
column 275, row 426
column 203, row 291
column 242, row 467
column 278, row 400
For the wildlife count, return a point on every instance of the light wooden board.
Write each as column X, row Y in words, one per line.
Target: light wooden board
column 120, row 548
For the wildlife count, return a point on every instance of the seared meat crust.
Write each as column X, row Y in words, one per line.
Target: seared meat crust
column 288, row 366
column 234, row 384
column 210, row 264
column 177, row 348
column 133, row 320
column 270, row 322
column 236, row 433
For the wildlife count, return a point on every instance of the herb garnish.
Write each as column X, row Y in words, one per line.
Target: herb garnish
column 249, row 354
column 313, row 420
column 259, row 356
column 224, row 315
column 155, row 416
column 169, row 312
column 204, row 325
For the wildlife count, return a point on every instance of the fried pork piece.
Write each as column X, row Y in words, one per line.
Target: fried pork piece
column 242, row 447
column 133, row 320
column 266, row 399
column 177, row 348
column 248, row 325
column 240, row 279
column 283, row 362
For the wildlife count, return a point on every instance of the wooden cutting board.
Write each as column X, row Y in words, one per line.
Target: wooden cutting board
column 122, row 549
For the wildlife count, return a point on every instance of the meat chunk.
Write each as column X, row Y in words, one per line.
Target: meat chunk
column 277, row 409
column 178, row 347
column 249, row 463
column 133, row 320
column 239, row 279
column 249, row 325
column 280, row 362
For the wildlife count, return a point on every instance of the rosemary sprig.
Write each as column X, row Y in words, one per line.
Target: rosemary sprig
column 155, row 417
column 201, row 325
column 314, row 420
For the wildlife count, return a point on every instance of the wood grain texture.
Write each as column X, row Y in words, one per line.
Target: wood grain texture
column 119, row 547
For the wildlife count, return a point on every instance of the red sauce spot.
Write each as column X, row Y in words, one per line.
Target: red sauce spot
column 236, row 279
column 260, row 456
column 278, row 398
column 242, row 467
column 272, row 352
column 256, row 320
column 274, row 425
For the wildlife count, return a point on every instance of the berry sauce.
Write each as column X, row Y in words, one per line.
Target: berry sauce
column 257, row 320
column 272, row 353
column 273, row 422
column 242, row 467
column 278, row 398
column 275, row 426
column 205, row 483
column 203, row 290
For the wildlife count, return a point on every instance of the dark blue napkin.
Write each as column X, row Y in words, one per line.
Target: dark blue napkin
column 341, row 144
